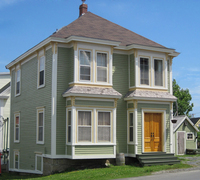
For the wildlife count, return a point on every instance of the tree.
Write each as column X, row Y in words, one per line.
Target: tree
column 183, row 100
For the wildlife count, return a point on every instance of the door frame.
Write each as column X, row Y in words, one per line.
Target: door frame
column 163, row 121
column 177, row 142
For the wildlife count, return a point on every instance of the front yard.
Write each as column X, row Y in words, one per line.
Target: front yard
column 112, row 172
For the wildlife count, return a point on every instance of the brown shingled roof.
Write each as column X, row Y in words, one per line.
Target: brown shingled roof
column 92, row 26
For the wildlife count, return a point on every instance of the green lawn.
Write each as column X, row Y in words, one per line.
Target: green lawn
column 113, row 172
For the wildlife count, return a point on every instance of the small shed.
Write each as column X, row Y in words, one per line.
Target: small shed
column 184, row 133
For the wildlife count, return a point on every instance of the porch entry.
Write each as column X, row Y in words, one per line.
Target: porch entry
column 181, row 142
column 152, row 132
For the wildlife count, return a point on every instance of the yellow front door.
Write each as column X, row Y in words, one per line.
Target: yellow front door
column 152, row 132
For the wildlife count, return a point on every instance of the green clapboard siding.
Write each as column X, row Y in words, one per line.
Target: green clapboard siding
column 190, row 144
column 69, row 150
column 68, row 103
column 120, row 83
column 93, row 150
column 130, row 105
column 94, row 103
column 167, row 125
column 132, row 70
column 131, row 149
column 64, row 77
column 26, row 103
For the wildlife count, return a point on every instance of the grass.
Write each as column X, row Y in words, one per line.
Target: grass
column 112, row 172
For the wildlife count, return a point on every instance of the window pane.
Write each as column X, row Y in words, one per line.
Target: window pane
column 40, row 119
column 17, row 134
column 131, row 119
column 40, row 135
column 41, row 78
column 144, row 71
column 84, row 118
column 85, row 73
column 42, row 63
column 84, row 134
column 104, row 118
column 69, row 133
column 17, row 88
column 131, row 134
column 18, row 75
column 101, row 74
column 17, row 120
column 104, row 133
column 69, row 117
column 84, row 58
column 102, row 59
column 158, row 69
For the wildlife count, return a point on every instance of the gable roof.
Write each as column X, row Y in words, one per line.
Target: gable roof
column 180, row 120
column 195, row 120
column 5, row 91
column 92, row 26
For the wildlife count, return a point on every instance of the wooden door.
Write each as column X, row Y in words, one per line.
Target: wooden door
column 181, row 142
column 152, row 132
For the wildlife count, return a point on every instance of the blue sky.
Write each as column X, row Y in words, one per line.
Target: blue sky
column 172, row 23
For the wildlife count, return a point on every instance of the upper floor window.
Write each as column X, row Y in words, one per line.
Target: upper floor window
column 18, row 77
column 85, row 65
column 41, row 73
column 16, row 127
column 144, row 71
column 102, row 67
column 158, row 72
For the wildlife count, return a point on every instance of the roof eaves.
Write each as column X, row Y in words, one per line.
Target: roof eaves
column 151, row 99
column 91, row 95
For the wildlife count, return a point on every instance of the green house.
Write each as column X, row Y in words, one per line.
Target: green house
column 185, row 133
column 89, row 91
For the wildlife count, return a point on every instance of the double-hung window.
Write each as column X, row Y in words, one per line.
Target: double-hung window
column 158, row 72
column 102, row 67
column 144, row 71
column 85, row 65
column 130, row 127
column 84, row 126
column 16, row 160
column 17, row 128
column 40, row 126
column 104, row 127
column 17, row 89
column 69, row 126
column 41, row 75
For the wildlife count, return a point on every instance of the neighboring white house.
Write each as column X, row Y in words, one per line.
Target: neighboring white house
column 4, row 110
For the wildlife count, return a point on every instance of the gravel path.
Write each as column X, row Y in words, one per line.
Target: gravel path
column 193, row 161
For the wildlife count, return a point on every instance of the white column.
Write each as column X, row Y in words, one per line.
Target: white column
column 76, row 68
column 152, row 79
column 136, row 72
column 73, row 129
column 170, row 77
column 136, row 136
column 171, row 131
column 1, row 127
column 54, row 101
column 114, row 129
column 166, row 79
column 110, row 68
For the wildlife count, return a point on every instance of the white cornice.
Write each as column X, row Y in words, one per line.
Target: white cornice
column 92, row 95
column 150, row 99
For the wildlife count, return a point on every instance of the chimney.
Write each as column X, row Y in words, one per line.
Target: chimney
column 83, row 8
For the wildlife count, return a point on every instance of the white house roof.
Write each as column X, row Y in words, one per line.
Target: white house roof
column 5, row 91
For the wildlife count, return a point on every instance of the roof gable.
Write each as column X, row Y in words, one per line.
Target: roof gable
column 93, row 26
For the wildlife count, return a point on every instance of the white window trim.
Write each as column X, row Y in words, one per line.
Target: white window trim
column 149, row 63
column 192, row 136
column 111, row 127
column 37, row 155
column 38, row 77
column 16, row 152
column 41, row 110
column 67, row 111
column 17, row 94
column 91, row 60
column 107, row 68
column 88, row 142
column 16, row 115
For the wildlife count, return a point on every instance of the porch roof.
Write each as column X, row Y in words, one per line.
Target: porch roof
column 91, row 92
column 149, row 95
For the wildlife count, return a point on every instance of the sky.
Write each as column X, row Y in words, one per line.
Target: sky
column 171, row 23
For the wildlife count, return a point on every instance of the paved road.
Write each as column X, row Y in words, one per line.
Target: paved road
column 186, row 175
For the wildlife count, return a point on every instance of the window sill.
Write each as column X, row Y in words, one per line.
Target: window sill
column 40, row 142
column 42, row 86
column 16, row 141
column 16, row 95
column 92, row 144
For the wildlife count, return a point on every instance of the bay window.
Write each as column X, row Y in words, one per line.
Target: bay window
column 85, row 65
column 130, row 124
column 69, row 126
column 104, row 127
column 144, row 71
column 102, row 67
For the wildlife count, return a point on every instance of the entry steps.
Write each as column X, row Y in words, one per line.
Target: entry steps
column 157, row 158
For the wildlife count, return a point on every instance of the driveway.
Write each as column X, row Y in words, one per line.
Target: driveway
column 176, row 174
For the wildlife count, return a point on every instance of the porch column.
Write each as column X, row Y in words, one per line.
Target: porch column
column 171, row 127
column 135, row 125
